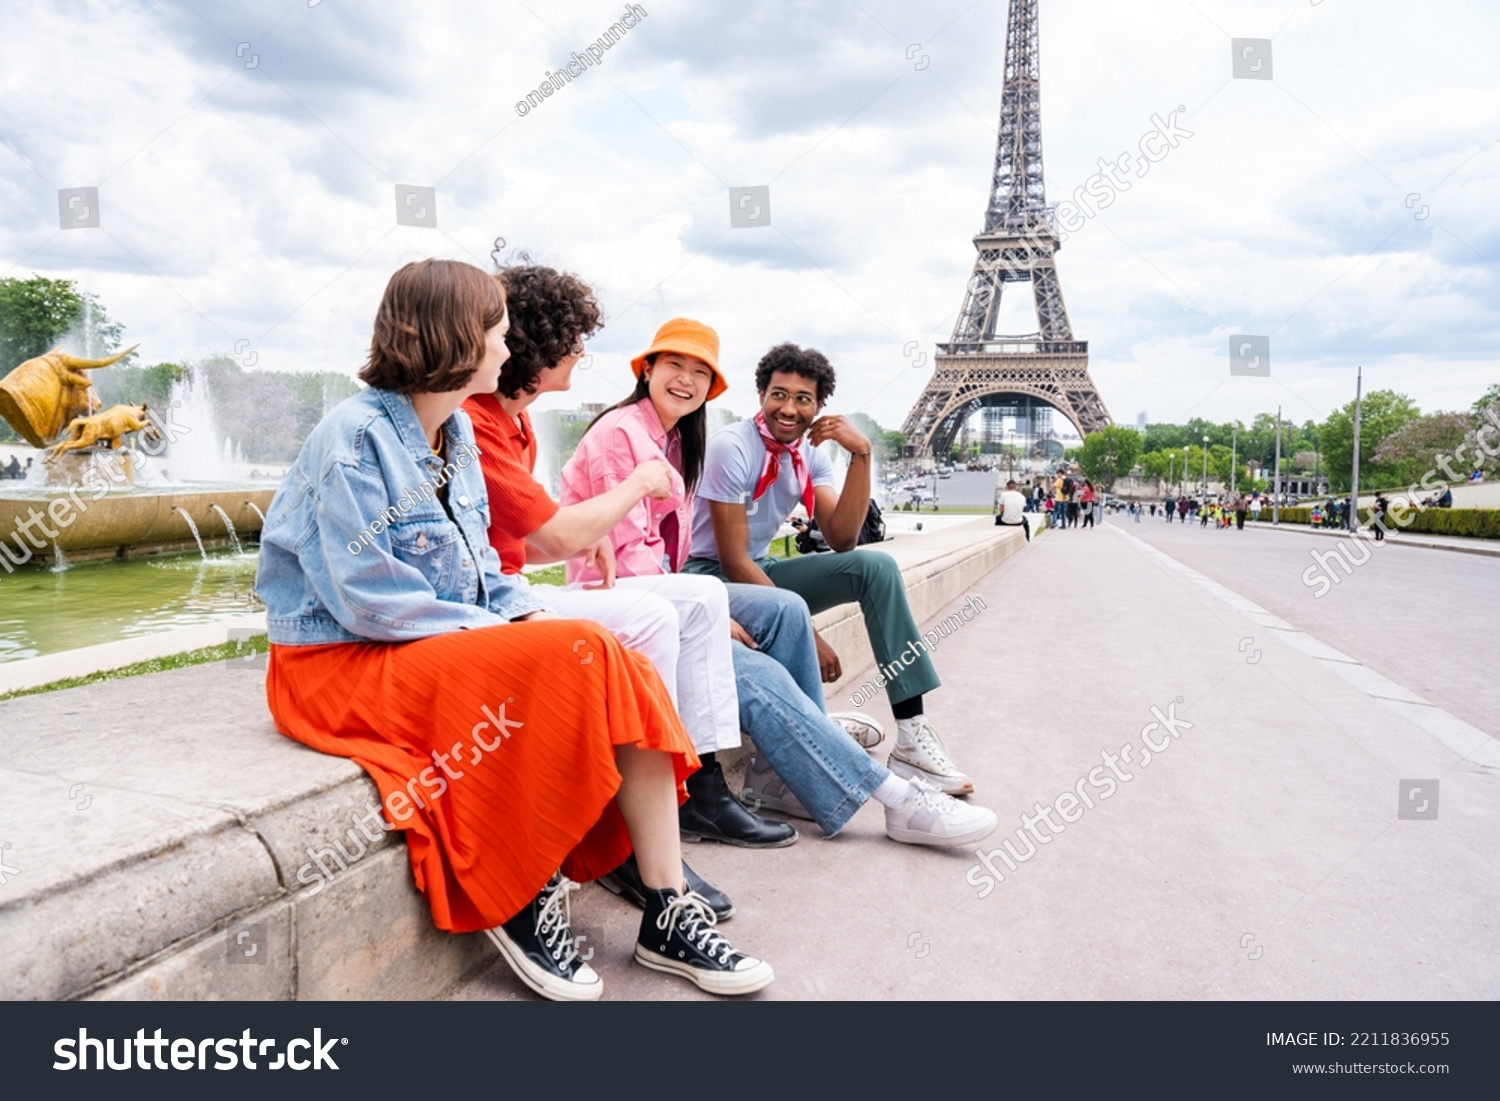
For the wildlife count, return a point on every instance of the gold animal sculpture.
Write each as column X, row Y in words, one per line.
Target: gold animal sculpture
column 44, row 394
column 106, row 428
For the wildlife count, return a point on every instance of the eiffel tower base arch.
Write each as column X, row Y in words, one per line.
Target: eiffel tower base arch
column 1055, row 373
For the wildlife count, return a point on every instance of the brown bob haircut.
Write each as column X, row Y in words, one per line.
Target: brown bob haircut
column 431, row 326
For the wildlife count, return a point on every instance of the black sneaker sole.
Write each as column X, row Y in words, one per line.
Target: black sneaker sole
column 696, row 836
column 552, row 987
column 726, row 983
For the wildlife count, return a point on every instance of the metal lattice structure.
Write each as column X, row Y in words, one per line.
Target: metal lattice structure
column 1018, row 245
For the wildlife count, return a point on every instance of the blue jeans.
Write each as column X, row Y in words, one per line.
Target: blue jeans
column 870, row 579
column 780, row 691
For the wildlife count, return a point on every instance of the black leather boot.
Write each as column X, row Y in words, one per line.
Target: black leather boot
column 712, row 813
column 626, row 882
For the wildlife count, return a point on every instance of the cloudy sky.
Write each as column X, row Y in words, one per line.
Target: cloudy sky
column 247, row 156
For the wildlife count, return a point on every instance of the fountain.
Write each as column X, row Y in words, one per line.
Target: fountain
column 192, row 527
column 234, row 539
column 200, row 449
column 95, row 496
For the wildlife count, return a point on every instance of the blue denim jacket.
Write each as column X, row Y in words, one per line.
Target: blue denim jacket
column 357, row 547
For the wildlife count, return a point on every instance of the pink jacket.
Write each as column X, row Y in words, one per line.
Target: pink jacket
column 608, row 454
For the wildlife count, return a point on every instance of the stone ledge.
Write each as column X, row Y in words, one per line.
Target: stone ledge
column 192, row 836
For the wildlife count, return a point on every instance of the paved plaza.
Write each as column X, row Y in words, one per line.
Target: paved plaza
column 1260, row 854
column 1212, row 782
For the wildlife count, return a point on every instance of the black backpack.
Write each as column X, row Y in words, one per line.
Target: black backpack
column 811, row 541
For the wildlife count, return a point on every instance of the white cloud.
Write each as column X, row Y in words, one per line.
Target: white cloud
column 258, row 203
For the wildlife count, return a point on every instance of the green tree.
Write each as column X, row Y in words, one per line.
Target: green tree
column 1412, row 450
column 1156, row 464
column 34, row 313
column 1488, row 398
column 130, row 385
column 1108, row 454
column 1382, row 413
column 1164, row 437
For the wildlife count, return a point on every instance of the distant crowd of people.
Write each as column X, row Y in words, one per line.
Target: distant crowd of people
column 1220, row 512
column 14, row 470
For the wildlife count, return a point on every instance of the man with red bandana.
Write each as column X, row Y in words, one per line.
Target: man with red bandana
column 756, row 472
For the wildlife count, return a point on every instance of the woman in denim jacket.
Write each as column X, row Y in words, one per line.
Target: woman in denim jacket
column 506, row 743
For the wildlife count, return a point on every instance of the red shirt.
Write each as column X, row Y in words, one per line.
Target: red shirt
column 518, row 503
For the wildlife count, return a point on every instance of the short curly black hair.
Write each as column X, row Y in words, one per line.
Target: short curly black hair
column 807, row 362
column 550, row 312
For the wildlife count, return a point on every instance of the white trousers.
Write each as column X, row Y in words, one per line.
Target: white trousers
column 680, row 622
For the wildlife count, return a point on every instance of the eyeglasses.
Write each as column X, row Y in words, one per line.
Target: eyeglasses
column 801, row 401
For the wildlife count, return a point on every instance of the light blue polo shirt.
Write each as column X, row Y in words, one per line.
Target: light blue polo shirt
column 736, row 457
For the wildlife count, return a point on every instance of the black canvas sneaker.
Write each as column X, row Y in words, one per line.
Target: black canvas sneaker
column 678, row 937
column 538, row 945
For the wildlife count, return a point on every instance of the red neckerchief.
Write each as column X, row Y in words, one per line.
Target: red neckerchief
column 774, row 450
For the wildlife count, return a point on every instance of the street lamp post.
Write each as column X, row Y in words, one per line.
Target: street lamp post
column 1205, row 468
column 1171, row 470
column 1353, row 517
column 1276, row 476
column 1234, row 463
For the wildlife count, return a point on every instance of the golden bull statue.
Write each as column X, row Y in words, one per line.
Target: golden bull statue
column 42, row 396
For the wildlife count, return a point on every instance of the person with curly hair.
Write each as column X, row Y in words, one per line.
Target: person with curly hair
column 756, row 472
column 512, row 767
column 552, row 314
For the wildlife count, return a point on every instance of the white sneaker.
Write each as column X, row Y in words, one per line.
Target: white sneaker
column 931, row 818
column 866, row 731
column 926, row 758
column 764, row 790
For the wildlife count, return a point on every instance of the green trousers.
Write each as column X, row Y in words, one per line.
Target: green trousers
column 873, row 581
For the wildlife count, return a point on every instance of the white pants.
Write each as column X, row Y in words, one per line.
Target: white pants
column 680, row 622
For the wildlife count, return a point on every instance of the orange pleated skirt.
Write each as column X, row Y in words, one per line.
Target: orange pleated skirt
column 525, row 718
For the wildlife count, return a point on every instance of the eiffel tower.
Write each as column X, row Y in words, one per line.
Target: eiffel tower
column 978, row 368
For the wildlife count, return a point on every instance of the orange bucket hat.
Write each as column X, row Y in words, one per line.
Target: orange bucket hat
column 690, row 338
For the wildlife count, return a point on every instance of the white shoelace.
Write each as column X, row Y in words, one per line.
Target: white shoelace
column 695, row 920
column 930, row 798
column 926, row 739
column 554, row 919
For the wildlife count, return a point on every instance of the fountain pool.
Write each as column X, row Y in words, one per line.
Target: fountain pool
column 48, row 611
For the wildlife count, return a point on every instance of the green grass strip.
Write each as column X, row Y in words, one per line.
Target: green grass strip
column 240, row 649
